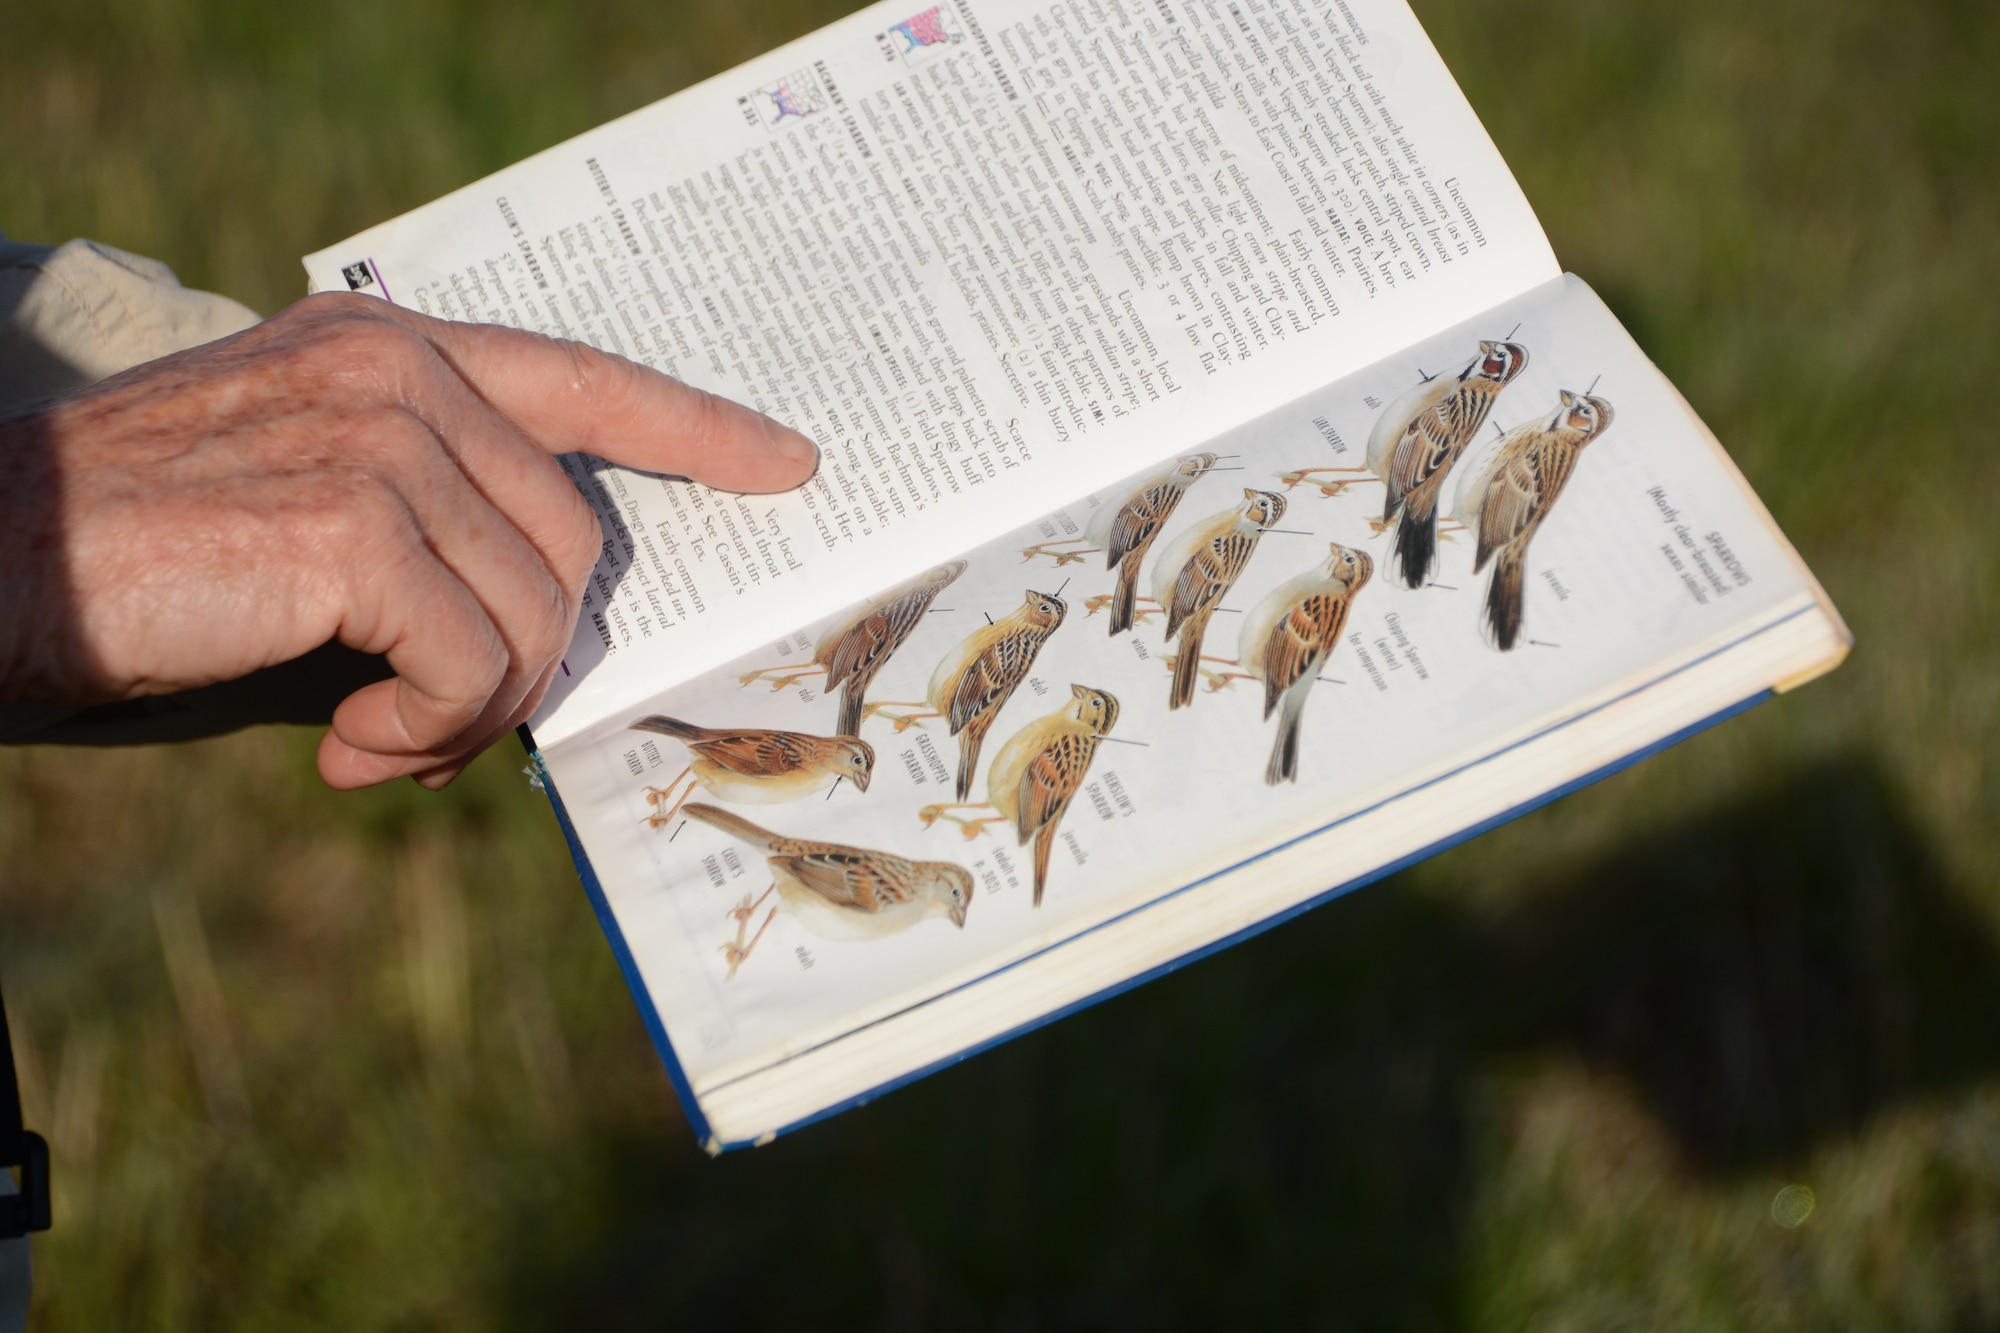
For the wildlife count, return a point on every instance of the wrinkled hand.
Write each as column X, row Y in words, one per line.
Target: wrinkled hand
column 346, row 470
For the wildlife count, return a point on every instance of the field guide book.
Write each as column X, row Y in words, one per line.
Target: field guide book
column 1225, row 499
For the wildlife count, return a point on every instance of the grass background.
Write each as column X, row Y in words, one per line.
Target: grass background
column 319, row 1061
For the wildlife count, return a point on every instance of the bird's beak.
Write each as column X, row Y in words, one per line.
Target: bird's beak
column 862, row 778
column 958, row 915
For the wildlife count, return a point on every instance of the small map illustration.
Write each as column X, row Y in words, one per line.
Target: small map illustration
column 924, row 35
column 793, row 97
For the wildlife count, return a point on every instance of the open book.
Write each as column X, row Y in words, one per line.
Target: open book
column 1226, row 500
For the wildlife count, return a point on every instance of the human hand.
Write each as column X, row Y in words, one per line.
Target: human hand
column 345, row 470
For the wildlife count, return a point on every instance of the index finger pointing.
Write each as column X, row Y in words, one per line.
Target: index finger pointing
column 569, row 397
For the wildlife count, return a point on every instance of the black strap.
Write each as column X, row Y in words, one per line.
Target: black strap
column 20, row 1147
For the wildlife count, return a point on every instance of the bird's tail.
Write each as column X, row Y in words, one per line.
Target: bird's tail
column 672, row 726
column 1284, row 765
column 734, row 825
column 850, row 709
column 969, row 741
column 1045, row 838
column 1187, row 665
column 1126, row 596
column 1504, row 599
column 1417, row 538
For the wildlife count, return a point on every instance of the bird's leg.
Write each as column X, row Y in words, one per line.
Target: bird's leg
column 743, row 911
column 972, row 828
column 657, row 797
column 1449, row 529
column 903, row 721
column 1060, row 557
column 781, row 676
column 1143, row 608
column 1299, row 474
column 736, row 950
column 1217, row 680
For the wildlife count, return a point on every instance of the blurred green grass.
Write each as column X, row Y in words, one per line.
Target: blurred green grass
column 364, row 1061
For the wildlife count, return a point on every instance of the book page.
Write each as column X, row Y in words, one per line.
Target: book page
column 1586, row 540
column 981, row 252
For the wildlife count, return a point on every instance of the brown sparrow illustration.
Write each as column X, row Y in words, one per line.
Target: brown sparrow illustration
column 1197, row 570
column 1506, row 500
column 1421, row 435
column 836, row 892
column 1126, row 531
column 1038, row 770
column 977, row 677
column 1286, row 640
column 854, row 650
column 755, row 767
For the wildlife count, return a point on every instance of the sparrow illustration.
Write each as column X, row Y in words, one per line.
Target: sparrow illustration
column 840, row 893
column 1126, row 531
column 975, row 680
column 854, row 650
column 1418, row 438
column 1505, row 501
column 1286, row 640
column 1197, row 570
column 755, row 767
column 1038, row 770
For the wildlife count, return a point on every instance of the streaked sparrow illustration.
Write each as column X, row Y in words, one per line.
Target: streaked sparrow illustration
column 838, row 892
column 1197, row 569
column 1125, row 531
column 1038, row 770
column 852, row 652
column 755, row 767
column 1287, row 637
column 1505, row 502
column 1421, row 435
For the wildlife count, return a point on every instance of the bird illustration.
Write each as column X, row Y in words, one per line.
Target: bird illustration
column 838, row 892
column 975, row 679
column 1421, row 435
column 755, row 767
column 1506, row 500
column 852, row 652
column 1039, row 769
column 1126, row 531
column 1197, row 570
column 1286, row 640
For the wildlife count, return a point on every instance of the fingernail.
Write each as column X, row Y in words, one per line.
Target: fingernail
column 788, row 443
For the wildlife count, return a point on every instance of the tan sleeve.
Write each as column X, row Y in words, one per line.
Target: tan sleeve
column 72, row 314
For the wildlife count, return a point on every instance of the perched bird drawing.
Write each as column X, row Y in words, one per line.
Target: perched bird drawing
column 1505, row 502
column 1126, row 531
column 1039, row 769
column 976, row 678
column 1421, row 435
column 755, row 767
column 1196, row 571
column 852, row 652
column 1287, row 638
column 838, row 892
